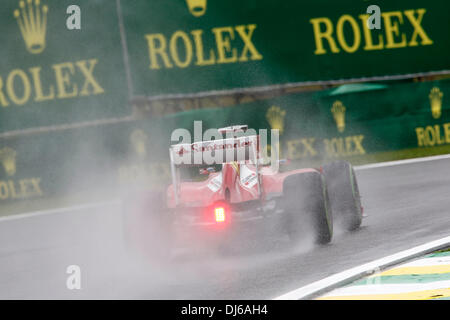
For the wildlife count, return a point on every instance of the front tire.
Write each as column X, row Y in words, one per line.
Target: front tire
column 344, row 195
column 306, row 199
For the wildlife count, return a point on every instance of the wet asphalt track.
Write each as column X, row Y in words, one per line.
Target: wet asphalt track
column 407, row 205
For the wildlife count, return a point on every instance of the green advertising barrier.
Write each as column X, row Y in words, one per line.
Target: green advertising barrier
column 83, row 160
column 387, row 118
column 197, row 46
column 50, row 75
column 350, row 122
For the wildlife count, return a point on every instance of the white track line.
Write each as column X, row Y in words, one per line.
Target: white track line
column 345, row 277
column 426, row 262
column 377, row 289
column 401, row 162
column 59, row 210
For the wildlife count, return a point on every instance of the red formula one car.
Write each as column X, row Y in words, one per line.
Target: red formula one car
column 239, row 195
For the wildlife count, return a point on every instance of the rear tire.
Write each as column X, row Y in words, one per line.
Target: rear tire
column 343, row 191
column 306, row 200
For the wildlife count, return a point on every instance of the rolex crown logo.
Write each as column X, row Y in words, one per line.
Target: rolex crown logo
column 32, row 20
column 197, row 7
column 139, row 141
column 275, row 116
column 8, row 160
column 436, row 102
column 338, row 111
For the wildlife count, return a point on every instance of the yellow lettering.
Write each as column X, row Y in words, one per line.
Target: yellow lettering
column 10, row 87
column 308, row 144
column 345, row 146
column 199, row 49
column 349, row 145
column 329, row 147
column 368, row 36
column 35, row 182
column 188, row 49
column 89, row 79
column 447, row 132
column 357, row 140
column 429, row 136
column 12, row 189
column 40, row 96
column 437, row 131
column 420, row 133
column 224, row 45
column 248, row 44
column 320, row 36
column 155, row 50
column 63, row 71
column 23, row 188
column 392, row 28
column 418, row 30
column 3, row 100
column 341, row 37
column 301, row 148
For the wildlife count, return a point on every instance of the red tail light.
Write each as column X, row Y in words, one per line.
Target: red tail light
column 219, row 214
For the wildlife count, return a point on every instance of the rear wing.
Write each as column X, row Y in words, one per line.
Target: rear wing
column 221, row 151
column 216, row 151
